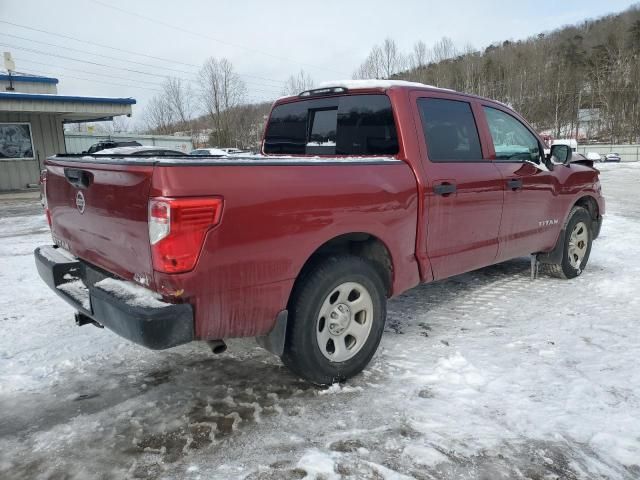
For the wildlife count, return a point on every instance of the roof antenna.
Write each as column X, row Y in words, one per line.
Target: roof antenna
column 10, row 66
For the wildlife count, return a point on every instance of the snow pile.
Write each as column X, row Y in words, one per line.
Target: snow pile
column 339, row 388
column 57, row 255
column 134, row 295
column 424, row 455
column 318, row 465
column 78, row 291
column 11, row 226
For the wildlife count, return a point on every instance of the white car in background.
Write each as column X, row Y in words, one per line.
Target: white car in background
column 593, row 156
column 612, row 157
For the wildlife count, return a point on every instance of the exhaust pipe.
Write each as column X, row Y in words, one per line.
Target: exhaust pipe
column 217, row 346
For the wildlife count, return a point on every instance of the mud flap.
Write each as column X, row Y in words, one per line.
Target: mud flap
column 274, row 340
column 555, row 255
column 534, row 266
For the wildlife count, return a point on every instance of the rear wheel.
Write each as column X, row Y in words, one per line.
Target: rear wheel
column 336, row 319
column 577, row 245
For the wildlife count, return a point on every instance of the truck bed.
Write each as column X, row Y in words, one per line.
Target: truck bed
column 277, row 212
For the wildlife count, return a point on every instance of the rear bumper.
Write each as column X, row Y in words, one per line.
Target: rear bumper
column 156, row 328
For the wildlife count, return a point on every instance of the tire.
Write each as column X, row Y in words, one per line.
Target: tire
column 577, row 245
column 338, row 305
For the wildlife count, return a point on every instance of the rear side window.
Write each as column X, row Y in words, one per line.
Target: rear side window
column 512, row 141
column 346, row 125
column 449, row 130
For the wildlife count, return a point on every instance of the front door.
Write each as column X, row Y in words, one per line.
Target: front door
column 530, row 224
column 464, row 195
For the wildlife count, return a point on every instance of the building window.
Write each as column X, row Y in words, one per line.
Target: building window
column 15, row 141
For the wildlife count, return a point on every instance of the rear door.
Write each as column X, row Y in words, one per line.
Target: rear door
column 530, row 224
column 464, row 195
column 99, row 212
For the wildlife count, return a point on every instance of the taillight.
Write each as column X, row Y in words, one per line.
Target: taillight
column 43, row 195
column 177, row 227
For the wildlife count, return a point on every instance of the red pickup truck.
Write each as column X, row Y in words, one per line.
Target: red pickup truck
column 363, row 190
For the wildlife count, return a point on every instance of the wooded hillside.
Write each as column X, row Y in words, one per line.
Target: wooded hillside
column 548, row 78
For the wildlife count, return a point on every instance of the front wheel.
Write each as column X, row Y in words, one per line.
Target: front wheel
column 336, row 319
column 577, row 245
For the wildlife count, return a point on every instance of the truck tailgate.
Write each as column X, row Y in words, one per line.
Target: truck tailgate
column 99, row 213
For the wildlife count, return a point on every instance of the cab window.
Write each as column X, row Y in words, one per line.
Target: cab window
column 449, row 130
column 344, row 125
column 512, row 141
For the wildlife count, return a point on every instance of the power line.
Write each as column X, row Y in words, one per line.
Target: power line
column 113, row 58
column 88, row 42
column 97, row 81
column 21, row 60
column 252, row 98
column 40, row 52
column 94, row 54
column 202, row 35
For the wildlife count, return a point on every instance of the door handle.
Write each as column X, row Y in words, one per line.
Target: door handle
column 514, row 184
column 78, row 178
column 444, row 189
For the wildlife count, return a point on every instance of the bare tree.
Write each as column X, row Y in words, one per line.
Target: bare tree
column 392, row 60
column 372, row 66
column 298, row 83
column 382, row 62
column 221, row 91
column 444, row 49
column 158, row 117
column 419, row 56
column 119, row 124
column 179, row 97
column 172, row 109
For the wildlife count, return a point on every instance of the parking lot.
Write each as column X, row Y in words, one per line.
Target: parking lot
column 485, row 375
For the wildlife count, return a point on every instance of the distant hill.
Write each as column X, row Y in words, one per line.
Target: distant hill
column 593, row 67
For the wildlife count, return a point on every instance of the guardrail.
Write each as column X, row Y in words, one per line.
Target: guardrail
column 628, row 152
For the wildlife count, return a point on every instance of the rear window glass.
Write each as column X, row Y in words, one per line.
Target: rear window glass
column 346, row 125
column 450, row 130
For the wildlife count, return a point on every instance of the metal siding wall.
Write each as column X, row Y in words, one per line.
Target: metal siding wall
column 46, row 131
column 29, row 87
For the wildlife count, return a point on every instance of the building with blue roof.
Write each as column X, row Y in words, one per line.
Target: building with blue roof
column 32, row 118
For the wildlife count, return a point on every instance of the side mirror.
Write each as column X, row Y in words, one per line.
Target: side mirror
column 561, row 154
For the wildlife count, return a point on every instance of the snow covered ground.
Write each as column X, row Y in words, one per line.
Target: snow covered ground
column 486, row 375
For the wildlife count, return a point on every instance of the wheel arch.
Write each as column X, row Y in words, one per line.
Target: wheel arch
column 590, row 203
column 362, row 244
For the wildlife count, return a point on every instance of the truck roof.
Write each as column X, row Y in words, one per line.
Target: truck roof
column 372, row 84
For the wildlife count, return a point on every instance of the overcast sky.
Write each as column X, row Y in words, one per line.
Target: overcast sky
column 266, row 39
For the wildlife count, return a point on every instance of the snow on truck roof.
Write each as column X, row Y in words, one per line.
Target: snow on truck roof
column 353, row 84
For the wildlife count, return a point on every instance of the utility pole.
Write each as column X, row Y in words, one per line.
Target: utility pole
column 10, row 67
